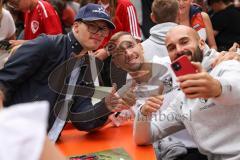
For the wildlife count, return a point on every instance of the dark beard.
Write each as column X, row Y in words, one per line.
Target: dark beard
column 196, row 57
column 185, row 52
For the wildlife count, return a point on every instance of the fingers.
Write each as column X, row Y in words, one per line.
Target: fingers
column 156, row 99
column 204, row 87
column 16, row 42
column 234, row 47
column 117, row 103
column 193, row 82
column 153, row 104
column 129, row 96
column 195, row 76
column 100, row 54
column 129, row 99
column 216, row 60
column 225, row 57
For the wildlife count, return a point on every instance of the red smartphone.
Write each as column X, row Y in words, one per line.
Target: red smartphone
column 183, row 66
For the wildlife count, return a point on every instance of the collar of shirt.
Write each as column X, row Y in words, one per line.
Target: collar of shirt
column 75, row 46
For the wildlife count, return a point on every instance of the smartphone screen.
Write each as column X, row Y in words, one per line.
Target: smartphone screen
column 183, row 66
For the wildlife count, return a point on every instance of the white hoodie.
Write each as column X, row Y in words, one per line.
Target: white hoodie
column 213, row 123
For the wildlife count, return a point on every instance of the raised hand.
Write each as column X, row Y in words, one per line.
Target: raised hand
column 199, row 85
column 152, row 105
column 100, row 54
column 129, row 97
column 224, row 56
column 115, row 103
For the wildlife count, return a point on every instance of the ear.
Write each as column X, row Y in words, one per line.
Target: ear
column 141, row 48
column 201, row 44
column 153, row 18
column 75, row 27
column 140, row 45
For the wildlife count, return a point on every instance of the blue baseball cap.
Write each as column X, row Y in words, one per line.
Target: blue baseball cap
column 94, row 12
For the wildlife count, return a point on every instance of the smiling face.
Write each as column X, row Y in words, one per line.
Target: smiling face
column 183, row 40
column 90, row 40
column 128, row 54
column 184, row 6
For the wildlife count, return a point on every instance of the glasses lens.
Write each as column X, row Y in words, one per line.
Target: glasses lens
column 92, row 28
column 105, row 31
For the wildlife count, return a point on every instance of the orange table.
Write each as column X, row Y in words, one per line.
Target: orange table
column 73, row 142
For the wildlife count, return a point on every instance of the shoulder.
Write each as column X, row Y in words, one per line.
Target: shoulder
column 124, row 3
column 53, row 41
column 225, row 66
column 206, row 19
column 46, row 8
column 5, row 12
column 7, row 15
column 205, row 15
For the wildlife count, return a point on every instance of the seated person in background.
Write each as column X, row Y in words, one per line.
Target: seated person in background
column 56, row 69
column 207, row 106
column 40, row 17
column 23, row 133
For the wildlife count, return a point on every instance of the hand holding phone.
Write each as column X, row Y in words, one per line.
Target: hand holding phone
column 183, row 66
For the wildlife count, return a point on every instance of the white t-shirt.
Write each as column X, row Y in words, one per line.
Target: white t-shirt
column 23, row 130
column 7, row 25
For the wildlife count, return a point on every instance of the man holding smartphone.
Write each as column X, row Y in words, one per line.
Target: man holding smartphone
column 207, row 106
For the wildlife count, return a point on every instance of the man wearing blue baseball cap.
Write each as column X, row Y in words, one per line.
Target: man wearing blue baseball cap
column 56, row 68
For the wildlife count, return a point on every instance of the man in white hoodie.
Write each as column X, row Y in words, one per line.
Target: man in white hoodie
column 207, row 106
column 164, row 14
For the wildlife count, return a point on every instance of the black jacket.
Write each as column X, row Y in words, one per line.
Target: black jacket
column 40, row 70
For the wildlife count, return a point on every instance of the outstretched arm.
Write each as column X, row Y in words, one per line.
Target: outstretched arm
column 150, row 127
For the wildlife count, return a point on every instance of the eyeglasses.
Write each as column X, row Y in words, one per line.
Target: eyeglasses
column 121, row 49
column 13, row 3
column 94, row 28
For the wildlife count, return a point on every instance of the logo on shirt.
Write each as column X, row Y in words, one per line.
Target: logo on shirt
column 202, row 100
column 34, row 26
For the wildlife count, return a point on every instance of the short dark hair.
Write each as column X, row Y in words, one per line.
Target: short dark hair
column 210, row 2
column 165, row 10
column 110, row 47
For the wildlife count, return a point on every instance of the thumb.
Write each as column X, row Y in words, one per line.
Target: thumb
column 197, row 66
